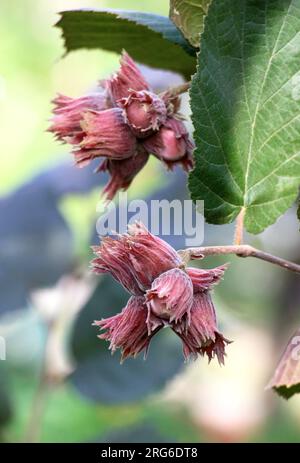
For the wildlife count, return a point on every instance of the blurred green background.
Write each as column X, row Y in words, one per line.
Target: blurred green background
column 258, row 305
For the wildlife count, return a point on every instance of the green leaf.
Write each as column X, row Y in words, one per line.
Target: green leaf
column 245, row 101
column 150, row 39
column 188, row 15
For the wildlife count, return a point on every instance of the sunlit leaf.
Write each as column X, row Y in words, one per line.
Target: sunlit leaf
column 245, row 100
column 150, row 39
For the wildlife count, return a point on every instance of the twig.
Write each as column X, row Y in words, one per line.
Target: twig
column 242, row 250
column 173, row 92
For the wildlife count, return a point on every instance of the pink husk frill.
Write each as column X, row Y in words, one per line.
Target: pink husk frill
column 129, row 77
column 135, row 259
column 202, row 335
column 122, row 172
column 68, row 114
column 170, row 296
column 128, row 330
column 104, row 133
column 204, row 279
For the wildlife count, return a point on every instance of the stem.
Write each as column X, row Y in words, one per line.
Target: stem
column 36, row 413
column 45, row 383
column 240, row 250
column 32, row 434
column 239, row 228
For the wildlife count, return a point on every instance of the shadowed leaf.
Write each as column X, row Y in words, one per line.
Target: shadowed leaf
column 188, row 15
column 286, row 379
column 150, row 39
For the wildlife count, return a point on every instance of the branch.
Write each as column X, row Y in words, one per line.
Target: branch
column 243, row 250
column 173, row 92
column 239, row 249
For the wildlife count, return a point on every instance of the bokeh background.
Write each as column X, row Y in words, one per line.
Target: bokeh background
column 58, row 382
